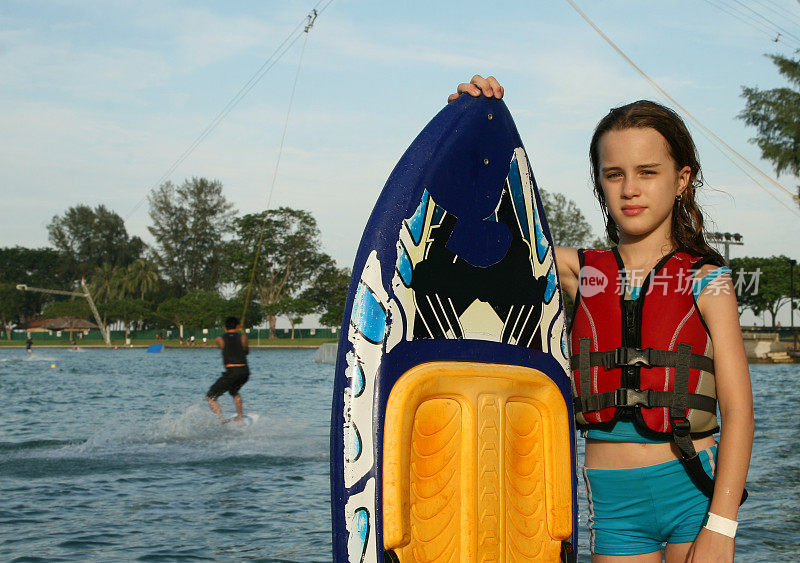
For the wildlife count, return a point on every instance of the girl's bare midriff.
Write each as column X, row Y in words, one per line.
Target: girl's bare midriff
column 601, row 454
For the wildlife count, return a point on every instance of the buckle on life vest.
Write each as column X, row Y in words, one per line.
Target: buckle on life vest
column 633, row 357
column 680, row 427
column 625, row 397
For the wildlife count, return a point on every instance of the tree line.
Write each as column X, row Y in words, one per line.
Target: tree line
column 197, row 271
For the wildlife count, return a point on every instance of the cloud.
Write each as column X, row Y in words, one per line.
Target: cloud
column 131, row 51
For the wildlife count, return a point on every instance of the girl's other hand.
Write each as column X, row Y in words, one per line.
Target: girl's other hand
column 489, row 87
column 711, row 547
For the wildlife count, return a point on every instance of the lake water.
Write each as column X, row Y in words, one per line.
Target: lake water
column 113, row 455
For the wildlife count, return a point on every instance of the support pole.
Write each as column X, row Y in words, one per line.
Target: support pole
column 791, row 302
column 103, row 328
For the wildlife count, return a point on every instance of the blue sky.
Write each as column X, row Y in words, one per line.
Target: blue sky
column 98, row 99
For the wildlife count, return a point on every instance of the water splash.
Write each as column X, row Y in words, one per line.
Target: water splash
column 193, row 435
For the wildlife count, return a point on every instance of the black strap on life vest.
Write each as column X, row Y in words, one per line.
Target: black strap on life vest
column 680, row 426
column 647, row 398
column 584, row 364
column 644, row 357
column 626, row 397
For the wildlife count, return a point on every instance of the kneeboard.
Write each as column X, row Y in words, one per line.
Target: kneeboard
column 248, row 419
column 451, row 431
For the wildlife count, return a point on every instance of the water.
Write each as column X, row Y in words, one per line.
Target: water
column 113, row 455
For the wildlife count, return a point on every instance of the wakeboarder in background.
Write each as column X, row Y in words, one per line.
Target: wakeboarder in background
column 234, row 348
column 28, row 345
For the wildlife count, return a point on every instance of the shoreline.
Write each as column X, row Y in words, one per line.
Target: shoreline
column 276, row 346
column 166, row 346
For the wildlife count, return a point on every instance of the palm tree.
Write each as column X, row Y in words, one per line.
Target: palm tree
column 141, row 277
column 105, row 284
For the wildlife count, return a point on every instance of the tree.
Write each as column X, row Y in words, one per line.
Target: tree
column 205, row 310
column 190, row 226
column 567, row 224
column 106, row 283
column 37, row 267
column 772, row 289
column 126, row 311
column 328, row 293
column 141, row 277
column 11, row 306
column 289, row 257
column 199, row 309
column 69, row 308
column 40, row 267
column 176, row 312
column 93, row 236
column 775, row 114
column 254, row 314
column 292, row 309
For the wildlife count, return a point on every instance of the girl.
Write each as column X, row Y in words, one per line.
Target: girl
column 650, row 314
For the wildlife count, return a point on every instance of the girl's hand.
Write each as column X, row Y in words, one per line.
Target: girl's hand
column 711, row 547
column 489, row 87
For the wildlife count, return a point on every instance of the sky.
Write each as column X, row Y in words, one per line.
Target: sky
column 99, row 99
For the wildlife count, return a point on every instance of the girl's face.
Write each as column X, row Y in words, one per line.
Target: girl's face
column 640, row 181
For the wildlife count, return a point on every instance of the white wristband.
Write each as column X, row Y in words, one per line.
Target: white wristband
column 721, row 525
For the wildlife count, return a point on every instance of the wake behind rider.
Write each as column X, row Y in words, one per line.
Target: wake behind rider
column 234, row 348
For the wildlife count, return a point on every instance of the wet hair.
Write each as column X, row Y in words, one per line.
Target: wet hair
column 231, row 323
column 688, row 233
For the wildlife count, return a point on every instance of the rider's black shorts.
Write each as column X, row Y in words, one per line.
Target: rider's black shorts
column 231, row 381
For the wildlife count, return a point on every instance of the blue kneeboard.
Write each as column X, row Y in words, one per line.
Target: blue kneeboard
column 452, row 433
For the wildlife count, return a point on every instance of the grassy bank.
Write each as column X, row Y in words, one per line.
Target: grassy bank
column 174, row 343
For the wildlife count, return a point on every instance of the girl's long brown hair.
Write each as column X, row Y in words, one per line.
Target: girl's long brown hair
column 688, row 234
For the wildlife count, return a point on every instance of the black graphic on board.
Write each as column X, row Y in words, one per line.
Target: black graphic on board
column 445, row 285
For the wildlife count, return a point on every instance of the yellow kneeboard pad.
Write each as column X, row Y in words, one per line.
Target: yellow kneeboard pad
column 476, row 465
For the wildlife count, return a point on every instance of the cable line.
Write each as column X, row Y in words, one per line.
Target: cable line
column 732, row 11
column 310, row 19
column 770, row 22
column 752, row 22
column 683, row 109
column 785, row 15
column 270, row 62
column 746, row 173
column 780, row 10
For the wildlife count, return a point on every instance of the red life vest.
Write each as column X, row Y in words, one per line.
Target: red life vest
column 649, row 359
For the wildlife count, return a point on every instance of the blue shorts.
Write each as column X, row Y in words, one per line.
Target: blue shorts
column 635, row 511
